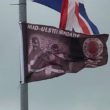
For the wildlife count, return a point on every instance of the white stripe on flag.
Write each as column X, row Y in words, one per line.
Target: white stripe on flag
column 89, row 28
column 72, row 21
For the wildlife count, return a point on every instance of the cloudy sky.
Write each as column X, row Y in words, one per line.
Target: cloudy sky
column 87, row 90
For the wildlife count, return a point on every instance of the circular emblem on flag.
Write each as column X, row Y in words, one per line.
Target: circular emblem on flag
column 92, row 47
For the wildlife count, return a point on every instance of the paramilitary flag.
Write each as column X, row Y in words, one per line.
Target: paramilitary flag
column 51, row 52
column 73, row 15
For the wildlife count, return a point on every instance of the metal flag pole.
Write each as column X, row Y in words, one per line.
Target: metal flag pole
column 23, row 87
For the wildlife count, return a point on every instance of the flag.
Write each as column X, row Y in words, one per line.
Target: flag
column 73, row 15
column 54, row 4
column 51, row 52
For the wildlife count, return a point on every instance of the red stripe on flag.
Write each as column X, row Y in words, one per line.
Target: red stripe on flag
column 64, row 14
column 81, row 22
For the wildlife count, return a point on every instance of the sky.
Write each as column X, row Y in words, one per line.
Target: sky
column 89, row 89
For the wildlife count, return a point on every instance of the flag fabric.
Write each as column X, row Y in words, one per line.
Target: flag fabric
column 51, row 52
column 73, row 15
column 54, row 4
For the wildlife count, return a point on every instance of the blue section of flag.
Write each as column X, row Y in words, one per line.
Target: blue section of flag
column 54, row 4
column 84, row 15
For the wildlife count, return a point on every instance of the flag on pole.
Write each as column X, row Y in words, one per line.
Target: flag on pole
column 76, row 44
column 51, row 52
column 73, row 15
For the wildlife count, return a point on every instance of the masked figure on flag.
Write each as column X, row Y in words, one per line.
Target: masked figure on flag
column 34, row 51
column 44, row 65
